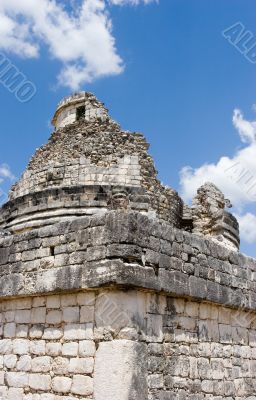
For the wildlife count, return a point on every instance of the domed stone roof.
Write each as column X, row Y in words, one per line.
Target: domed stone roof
column 88, row 166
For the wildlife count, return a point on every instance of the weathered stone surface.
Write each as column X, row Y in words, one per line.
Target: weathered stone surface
column 82, row 385
column 126, row 379
column 211, row 219
column 207, row 276
column 88, row 167
column 110, row 288
column 168, row 344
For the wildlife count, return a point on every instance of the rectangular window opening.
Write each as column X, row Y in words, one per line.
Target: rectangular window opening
column 80, row 113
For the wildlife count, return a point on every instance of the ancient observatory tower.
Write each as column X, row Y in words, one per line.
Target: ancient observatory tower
column 110, row 287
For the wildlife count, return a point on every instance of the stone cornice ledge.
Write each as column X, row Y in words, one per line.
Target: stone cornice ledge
column 125, row 250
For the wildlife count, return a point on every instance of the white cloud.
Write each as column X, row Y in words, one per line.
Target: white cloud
column 246, row 129
column 247, row 223
column 80, row 35
column 131, row 2
column 6, row 173
column 235, row 176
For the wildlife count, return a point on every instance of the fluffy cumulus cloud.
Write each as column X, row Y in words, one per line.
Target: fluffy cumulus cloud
column 235, row 176
column 77, row 33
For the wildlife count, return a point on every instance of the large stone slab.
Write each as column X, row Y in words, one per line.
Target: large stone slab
column 121, row 371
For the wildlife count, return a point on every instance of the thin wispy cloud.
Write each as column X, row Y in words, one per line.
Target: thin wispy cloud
column 6, row 173
column 80, row 36
column 235, row 176
column 131, row 2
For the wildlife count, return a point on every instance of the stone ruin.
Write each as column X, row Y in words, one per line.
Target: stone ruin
column 210, row 218
column 111, row 287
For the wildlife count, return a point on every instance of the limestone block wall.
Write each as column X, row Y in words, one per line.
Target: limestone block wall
column 125, row 248
column 193, row 350
column 47, row 348
column 170, row 315
column 123, row 171
column 207, row 352
column 85, row 345
column 117, row 345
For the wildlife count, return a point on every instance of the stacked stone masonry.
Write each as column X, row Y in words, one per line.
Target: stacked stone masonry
column 94, row 250
column 55, row 205
column 58, row 348
column 193, row 349
column 47, row 347
column 111, row 288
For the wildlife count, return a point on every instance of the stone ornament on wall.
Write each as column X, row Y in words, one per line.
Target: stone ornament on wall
column 210, row 218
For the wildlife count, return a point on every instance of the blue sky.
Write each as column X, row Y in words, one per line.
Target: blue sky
column 164, row 69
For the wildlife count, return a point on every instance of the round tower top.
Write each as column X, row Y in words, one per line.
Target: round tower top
column 88, row 166
column 78, row 106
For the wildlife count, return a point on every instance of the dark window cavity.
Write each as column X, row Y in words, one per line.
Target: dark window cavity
column 80, row 113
